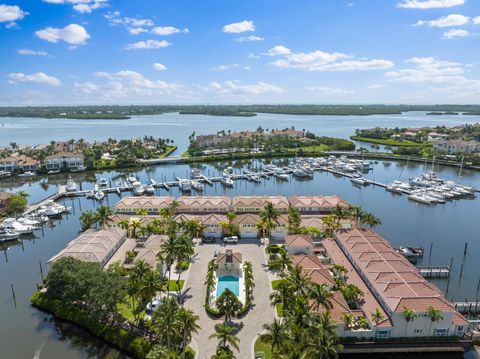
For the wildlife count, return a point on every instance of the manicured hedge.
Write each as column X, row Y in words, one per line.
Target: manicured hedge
column 122, row 339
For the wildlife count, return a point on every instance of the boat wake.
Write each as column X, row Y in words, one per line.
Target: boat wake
column 38, row 351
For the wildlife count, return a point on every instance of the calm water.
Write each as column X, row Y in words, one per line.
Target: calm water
column 28, row 333
column 178, row 127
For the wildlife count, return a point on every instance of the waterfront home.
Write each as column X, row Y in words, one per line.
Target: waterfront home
column 317, row 222
column 247, row 225
column 281, row 228
column 203, row 204
column 456, row 146
column 296, row 244
column 229, row 262
column 153, row 205
column 18, row 163
column 212, row 225
column 316, row 204
column 396, row 284
column 290, row 132
column 64, row 160
column 256, row 204
column 96, row 246
column 4, row 200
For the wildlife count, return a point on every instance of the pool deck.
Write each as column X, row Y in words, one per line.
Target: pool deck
column 249, row 326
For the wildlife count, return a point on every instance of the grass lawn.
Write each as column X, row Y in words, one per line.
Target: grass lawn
column 185, row 154
column 174, row 287
column 390, row 142
column 126, row 309
column 262, row 347
column 168, row 150
column 279, row 309
column 276, row 282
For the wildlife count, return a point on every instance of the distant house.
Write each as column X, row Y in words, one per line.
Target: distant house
column 96, row 246
column 297, row 244
column 288, row 132
column 63, row 160
column 18, row 163
column 456, row 146
column 4, row 200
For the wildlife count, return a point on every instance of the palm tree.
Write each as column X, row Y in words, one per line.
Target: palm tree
column 339, row 212
column 370, row 220
column 322, row 346
column 124, row 224
column 104, row 216
column 298, row 280
column 321, row 296
column 352, row 293
column 330, row 225
column 283, row 295
column 409, row 315
column 169, row 251
column 270, row 216
column 274, row 333
column 188, row 320
column 326, row 323
column 294, row 220
column 284, row 260
column 355, row 213
column 135, row 225
column 171, row 208
column 141, row 212
column 348, row 319
column 88, row 219
column 377, row 316
column 228, row 304
column 435, row 315
column 224, row 333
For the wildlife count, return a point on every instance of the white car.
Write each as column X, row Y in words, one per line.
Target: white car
column 232, row 239
column 153, row 305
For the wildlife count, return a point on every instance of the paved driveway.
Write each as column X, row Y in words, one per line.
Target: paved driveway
column 249, row 326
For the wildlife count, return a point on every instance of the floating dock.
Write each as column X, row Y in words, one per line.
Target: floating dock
column 435, row 271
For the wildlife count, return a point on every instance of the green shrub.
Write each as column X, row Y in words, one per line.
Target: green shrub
column 182, row 266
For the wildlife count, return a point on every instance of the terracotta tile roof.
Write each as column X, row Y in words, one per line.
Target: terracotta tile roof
column 316, row 201
column 246, row 218
column 144, row 202
column 229, row 257
column 298, row 240
column 306, row 261
column 320, row 276
column 395, row 279
column 202, row 203
column 260, row 201
column 64, row 155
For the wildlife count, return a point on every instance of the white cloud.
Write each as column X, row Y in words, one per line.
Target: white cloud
column 428, row 69
column 159, row 67
column 38, row 77
column 250, row 38
column 238, row 27
column 115, row 19
column 11, row 13
column 125, row 84
column 375, row 86
column 31, row 52
column 229, row 88
column 82, row 6
column 429, row 4
column 278, row 50
column 329, row 90
column 136, row 30
column 72, row 34
column 455, row 33
column 476, row 20
column 446, row 21
column 167, row 30
column 231, row 66
column 253, row 56
column 324, row 61
column 147, row 44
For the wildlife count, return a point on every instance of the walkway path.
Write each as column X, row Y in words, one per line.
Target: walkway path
column 249, row 326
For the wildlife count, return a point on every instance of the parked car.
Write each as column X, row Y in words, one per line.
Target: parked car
column 209, row 239
column 231, row 239
column 153, row 306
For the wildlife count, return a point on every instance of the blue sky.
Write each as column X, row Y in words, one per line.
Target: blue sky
column 249, row 51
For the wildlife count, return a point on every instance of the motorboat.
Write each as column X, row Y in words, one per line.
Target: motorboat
column 185, row 185
column 71, row 185
column 281, row 175
column 38, row 217
column 195, row 173
column 360, row 181
column 138, row 189
column 227, row 181
column 103, row 182
column 149, row 189
column 410, row 252
column 197, row 186
column 29, row 222
column 27, row 174
column 99, row 195
column 255, row 178
column 301, row 173
column 53, row 172
column 7, row 234
column 419, row 197
column 13, row 224
column 79, row 169
column 392, row 188
column 132, row 179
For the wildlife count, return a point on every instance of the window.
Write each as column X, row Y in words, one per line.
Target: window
column 383, row 334
column 417, row 331
column 441, row 332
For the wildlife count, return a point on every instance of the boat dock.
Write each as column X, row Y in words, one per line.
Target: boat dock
column 435, row 271
column 467, row 307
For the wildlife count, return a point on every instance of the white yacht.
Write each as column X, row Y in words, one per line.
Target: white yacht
column 197, row 186
column 392, row 188
column 185, row 185
column 132, row 179
column 27, row 174
column 419, row 197
column 52, row 172
column 359, row 180
column 8, row 235
column 29, row 222
column 13, row 224
column 99, row 195
column 149, row 189
column 281, row 175
column 227, row 181
column 138, row 189
column 71, row 185
column 103, row 182
column 195, row 173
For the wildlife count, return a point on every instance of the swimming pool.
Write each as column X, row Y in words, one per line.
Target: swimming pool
column 228, row 281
